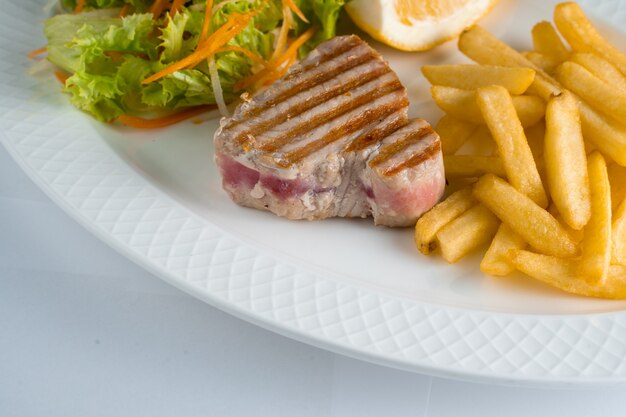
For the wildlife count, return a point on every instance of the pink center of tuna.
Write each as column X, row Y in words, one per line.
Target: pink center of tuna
column 235, row 174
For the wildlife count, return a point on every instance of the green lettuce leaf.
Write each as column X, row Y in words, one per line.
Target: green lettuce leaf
column 139, row 5
column 109, row 57
column 320, row 13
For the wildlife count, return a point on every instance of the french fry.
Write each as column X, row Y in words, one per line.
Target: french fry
column 496, row 262
column 535, row 136
column 606, row 134
column 467, row 232
column 583, row 36
column 461, row 104
column 480, row 143
column 482, row 47
column 471, row 77
column 443, row 213
column 497, row 108
column 617, row 179
column 534, row 224
column 453, row 133
column 601, row 68
column 577, row 235
column 562, row 274
column 619, row 234
column 566, row 161
column 600, row 95
column 472, row 166
column 548, row 42
column 545, row 62
column 597, row 242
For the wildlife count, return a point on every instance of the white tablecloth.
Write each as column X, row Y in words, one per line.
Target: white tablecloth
column 85, row 332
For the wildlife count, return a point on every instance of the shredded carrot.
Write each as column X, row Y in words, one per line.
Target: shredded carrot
column 295, row 9
column 157, row 8
column 233, row 48
column 206, row 25
column 143, row 123
column 80, row 5
column 124, row 10
column 273, row 69
column 233, row 26
column 61, row 76
column 38, row 51
column 281, row 41
column 176, row 5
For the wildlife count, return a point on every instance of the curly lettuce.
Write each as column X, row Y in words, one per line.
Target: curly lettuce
column 108, row 57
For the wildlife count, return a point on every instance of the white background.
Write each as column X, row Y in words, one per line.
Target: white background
column 85, row 332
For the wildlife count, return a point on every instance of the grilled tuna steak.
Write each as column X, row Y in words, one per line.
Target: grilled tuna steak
column 332, row 138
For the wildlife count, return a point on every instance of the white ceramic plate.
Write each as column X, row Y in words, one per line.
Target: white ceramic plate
column 343, row 285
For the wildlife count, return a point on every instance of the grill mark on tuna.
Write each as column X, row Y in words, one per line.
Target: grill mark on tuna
column 415, row 159
column 377, row 134
column 300, row 107
column 392, row 149
column 332, row 113
column 332, row 143
column 327, row 55
column 339, row 132
column 310, row 79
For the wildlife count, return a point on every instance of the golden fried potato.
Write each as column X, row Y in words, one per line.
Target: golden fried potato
column 566, row 161
column 538, row 228
column 471, row 77
column 469, row 231
column 472, row 166
column 547, row 42
column 608, row 135
column 601, row 68
column 443, row 213
column 496, row 262
column 576, row 235
column 619, row 234
column 562, row 274
column 461, row 104
column 497, row 109
column 617, row 179
column 544, row 62
column 603, row 97
column 482, row 47
column 535, row 136
column 453, row 133
column 583, row 36
column 597, row 242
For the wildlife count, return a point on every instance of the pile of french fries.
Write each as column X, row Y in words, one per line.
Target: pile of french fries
column 550, row 195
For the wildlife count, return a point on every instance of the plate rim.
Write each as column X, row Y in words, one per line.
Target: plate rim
column 342, row 344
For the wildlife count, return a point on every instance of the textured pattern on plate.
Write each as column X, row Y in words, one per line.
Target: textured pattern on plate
column 60, row 150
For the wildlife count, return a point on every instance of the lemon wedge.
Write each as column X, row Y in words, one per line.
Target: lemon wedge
column 416, row 25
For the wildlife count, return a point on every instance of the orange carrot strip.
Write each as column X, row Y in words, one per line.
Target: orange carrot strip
column 220, row 37
column 38, row 51
column 295, row 9
column 157, row 8
column 275, row 63
column 143, row 123
column 296, row 44
column 176, row 5
column 281, row 41
column 206, row 25
column 61, row 76
column 233, row 48
column 124, row 10
column 80, row 5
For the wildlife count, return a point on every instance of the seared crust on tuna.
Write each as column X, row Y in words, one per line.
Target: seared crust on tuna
column 332, row 138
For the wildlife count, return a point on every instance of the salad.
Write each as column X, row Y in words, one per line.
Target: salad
column 152, row 63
